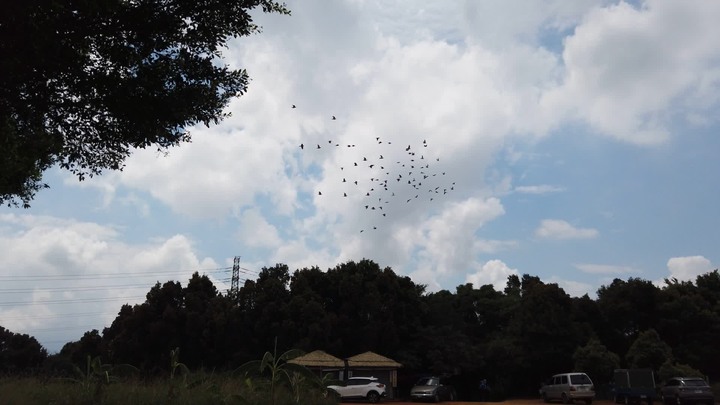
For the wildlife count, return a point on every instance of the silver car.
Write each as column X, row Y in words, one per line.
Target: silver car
column 687, row 390
column 432, row 389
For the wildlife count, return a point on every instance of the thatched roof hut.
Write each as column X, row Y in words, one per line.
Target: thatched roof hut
column 362, row 365
column 318, row 359
column 371, row 364
column 372, row 360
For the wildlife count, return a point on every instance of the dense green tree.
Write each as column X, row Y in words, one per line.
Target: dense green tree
column 374, row 309
column 514, row 338
column 263, row 310
column 84, row 82
column 544, row 327
column 506, row 364
column 310, row 322
column 90, row 344
column 597, row 361
column 588, row 318
column 689, row 323
column 648, row 351
column 449, row 317
column 490, row 308
column 512, row 287
column 199, row 344
column 628, row 308
column 171, row 317
column 19, row 353
column 709, row 287
column 671, row 369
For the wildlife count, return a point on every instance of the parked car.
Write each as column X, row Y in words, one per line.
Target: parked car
column 568, row 387
column 432, row 389
column 369, row 388
column 687, row 390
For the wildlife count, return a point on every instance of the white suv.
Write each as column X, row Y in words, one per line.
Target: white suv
column 360, row 387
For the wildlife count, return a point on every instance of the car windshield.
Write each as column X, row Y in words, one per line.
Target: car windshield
column 695, row 383
column 580, row 379
column 428, row 381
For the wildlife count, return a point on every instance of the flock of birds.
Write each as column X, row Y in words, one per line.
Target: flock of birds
column 380, row 183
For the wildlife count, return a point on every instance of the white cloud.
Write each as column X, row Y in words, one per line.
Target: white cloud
column 420, row 89
column 559, row 229
column 574, row 288
column 493, row 272
column 445, row 245
column 255, row 231
column 447, row 240
column 57, row 267
column 625, row 67
column 299, row 255
column 538, row 189
column 605, row 269
column 689, row 267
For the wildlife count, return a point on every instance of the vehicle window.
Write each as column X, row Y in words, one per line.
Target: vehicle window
column 427, row 381
column 357, row 382
column 556, row 380
column 695, row 383
column 580, row 379
column 673, row 383
column 564, row 379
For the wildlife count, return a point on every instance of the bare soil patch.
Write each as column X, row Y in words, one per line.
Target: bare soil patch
column 508, row 402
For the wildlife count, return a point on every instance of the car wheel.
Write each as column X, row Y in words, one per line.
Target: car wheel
column 437, row 397
column 678, row 401
column 451, row 397
column 565, row 398
column 627, row 401
column 373, row 397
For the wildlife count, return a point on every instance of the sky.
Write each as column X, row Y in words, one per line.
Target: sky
column 576, row 141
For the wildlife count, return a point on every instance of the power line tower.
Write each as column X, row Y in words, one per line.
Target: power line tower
column 235, row 280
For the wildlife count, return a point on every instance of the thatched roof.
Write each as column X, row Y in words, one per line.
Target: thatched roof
column 370, row 359
column 318, row 358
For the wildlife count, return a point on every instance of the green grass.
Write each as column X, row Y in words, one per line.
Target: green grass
column 198, row 390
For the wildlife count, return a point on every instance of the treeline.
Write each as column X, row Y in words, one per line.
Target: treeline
column 515, row 338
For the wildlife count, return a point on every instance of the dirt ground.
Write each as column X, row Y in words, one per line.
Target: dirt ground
column 508, row 402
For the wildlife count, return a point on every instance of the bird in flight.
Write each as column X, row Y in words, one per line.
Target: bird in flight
column 293, row 106
column 333, row 117
column 399, row 169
